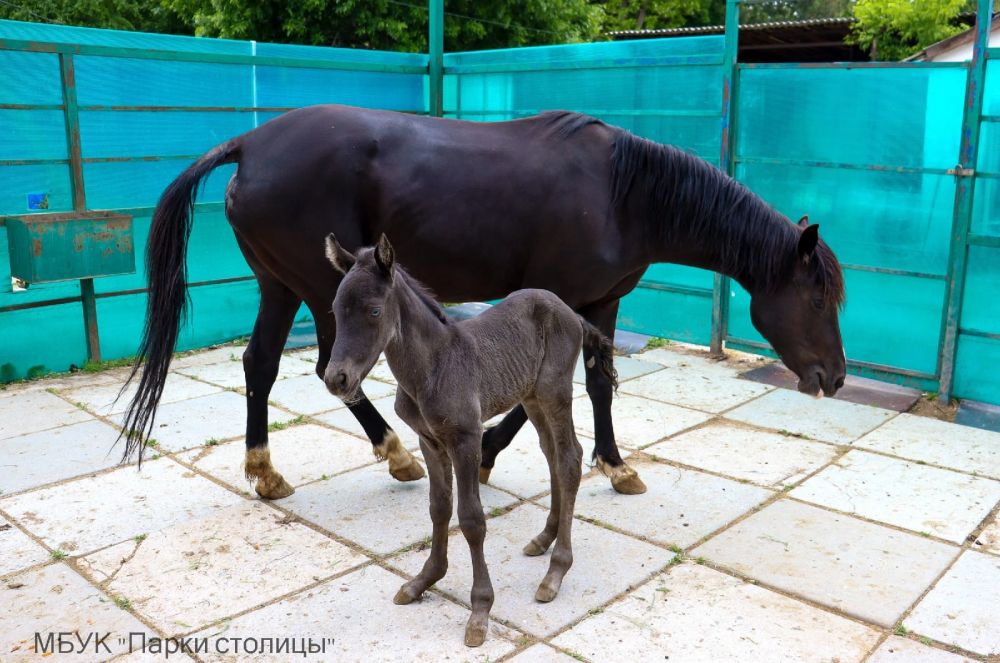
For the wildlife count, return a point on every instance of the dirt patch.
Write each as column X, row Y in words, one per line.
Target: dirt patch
column 929, row 406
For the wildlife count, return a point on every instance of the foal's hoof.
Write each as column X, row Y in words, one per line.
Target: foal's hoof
column 484, row 474
column 475, row 633
column 534, row 548
column 545, row 593
column 405, row 595
column 274, row 487
column 624, row 479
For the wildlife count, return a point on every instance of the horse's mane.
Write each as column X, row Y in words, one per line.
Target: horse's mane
column 687, row 199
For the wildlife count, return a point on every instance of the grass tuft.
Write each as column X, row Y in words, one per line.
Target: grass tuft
column 282, row 425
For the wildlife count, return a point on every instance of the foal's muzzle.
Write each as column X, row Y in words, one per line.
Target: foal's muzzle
column 340, row 383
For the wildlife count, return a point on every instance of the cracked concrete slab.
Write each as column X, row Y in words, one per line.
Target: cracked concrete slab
column 17, row 550
column 639, row 422
column 711, row 389
column 27, row 412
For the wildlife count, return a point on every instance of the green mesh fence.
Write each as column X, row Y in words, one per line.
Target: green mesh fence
column 142, row 121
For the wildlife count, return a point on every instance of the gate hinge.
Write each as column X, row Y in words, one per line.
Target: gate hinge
column 959, row 171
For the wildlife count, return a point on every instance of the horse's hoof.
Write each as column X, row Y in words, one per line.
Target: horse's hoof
column 475, row 634
column 484, row 474
column 534, row 549
column 624, row 479
column 405, row 596
column 545, row 593
column 409, row 472
column 274, row 487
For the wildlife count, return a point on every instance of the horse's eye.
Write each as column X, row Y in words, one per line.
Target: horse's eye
column 818, row 303
column 376, row 312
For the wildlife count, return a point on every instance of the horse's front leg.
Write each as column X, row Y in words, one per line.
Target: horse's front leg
column 439, row 471
column 497, row 438
column 278, row 306
column 465, row 457
column 624, row 479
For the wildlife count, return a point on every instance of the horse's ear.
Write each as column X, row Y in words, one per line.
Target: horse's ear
column 339, row 257
column 804, row 221
column 384, row 255
column 808, row 241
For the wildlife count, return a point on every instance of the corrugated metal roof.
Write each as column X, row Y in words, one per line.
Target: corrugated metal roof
column 719, row 29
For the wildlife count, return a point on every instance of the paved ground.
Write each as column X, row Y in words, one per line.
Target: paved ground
column 776, row 527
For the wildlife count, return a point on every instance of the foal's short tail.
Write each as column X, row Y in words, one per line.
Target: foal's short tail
column 166, row 275
column 602, row 349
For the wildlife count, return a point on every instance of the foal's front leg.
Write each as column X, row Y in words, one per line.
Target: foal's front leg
column 465, row 456
column 439, row 471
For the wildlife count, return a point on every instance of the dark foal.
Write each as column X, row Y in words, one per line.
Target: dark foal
column 453, row 376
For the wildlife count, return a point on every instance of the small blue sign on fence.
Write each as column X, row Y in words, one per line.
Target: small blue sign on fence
column 38, row 202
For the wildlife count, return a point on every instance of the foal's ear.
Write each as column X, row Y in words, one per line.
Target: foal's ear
column 384, row 255
column 804, row 221
column 339, row 257
column 808, row 241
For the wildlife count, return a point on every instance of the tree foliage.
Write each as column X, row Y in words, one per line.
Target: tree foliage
column 766, row 11
column 896, row 29
column 659, row 14
column 114, row 14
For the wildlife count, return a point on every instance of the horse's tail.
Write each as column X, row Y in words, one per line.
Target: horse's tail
column 602, row 349
column 166, row 275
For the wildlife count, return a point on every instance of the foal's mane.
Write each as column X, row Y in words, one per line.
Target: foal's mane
column 686, row 199
column 423, row 293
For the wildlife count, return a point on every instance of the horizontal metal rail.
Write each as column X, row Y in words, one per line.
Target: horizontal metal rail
column 623, row 112
column 808, row 163
column 206, row 208
column 116, row 293
column 678, row 289
column 894, row 272
column 977, row 239
column 196, row 57
column 584, row 65
column 993, row 336
column 853, row 65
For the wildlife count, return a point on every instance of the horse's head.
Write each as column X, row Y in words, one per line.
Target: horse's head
column 799, row 315
column 366, row 313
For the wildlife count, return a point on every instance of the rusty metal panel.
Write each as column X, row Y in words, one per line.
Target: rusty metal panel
column 72, row 245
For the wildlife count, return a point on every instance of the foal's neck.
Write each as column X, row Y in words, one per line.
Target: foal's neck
column 412, row 352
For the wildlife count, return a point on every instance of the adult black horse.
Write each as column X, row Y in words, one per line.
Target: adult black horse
column 560, row 201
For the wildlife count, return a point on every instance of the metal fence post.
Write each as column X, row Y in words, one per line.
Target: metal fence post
column 721, row 285
column 435, row 65
column 964, row 192
column 71, row 115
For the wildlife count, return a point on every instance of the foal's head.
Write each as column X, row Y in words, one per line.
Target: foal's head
column 799, row 314
column 366, row 311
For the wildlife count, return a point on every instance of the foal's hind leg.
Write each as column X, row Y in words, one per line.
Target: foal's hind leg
column 539, row 544
column 439, row 471
column 278, row 306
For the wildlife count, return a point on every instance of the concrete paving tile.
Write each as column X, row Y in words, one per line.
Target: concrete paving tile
column 679, row 507
column 962, row 608
column 989, row 539
column 920, row 498
column 770, row 459
column 230, row 353
column 638, row 422
column 590, row 582
column 628, row 368
column 193, row 573
column 522, row 469
column 230, row 373
column 938, row 442
column 306, row 394
column 310, row 355
column 374, row 510
column 301, row 453
column 692, row 613
column 542, row 653
column 825, row 419
column 54, row 600
column 60, row 453
column 83, row 515
column 17, row 550
column 901, row 650
column 357, row 612
column 101, row 398
column 193, row 422
column 696, row 361
column 710, row 390
column 345, row 421
column 382, row 373
column 32, row 411
column 865, row 570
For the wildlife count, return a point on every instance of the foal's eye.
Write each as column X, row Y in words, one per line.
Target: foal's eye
column 376, row 311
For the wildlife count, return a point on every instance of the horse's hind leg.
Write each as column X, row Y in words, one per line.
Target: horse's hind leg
column 278, row 306
column 624, row 479
column 439, row 471
column 566, row 458
column 403, row 466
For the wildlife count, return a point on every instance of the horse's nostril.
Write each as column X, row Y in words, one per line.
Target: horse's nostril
column 840, row 382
